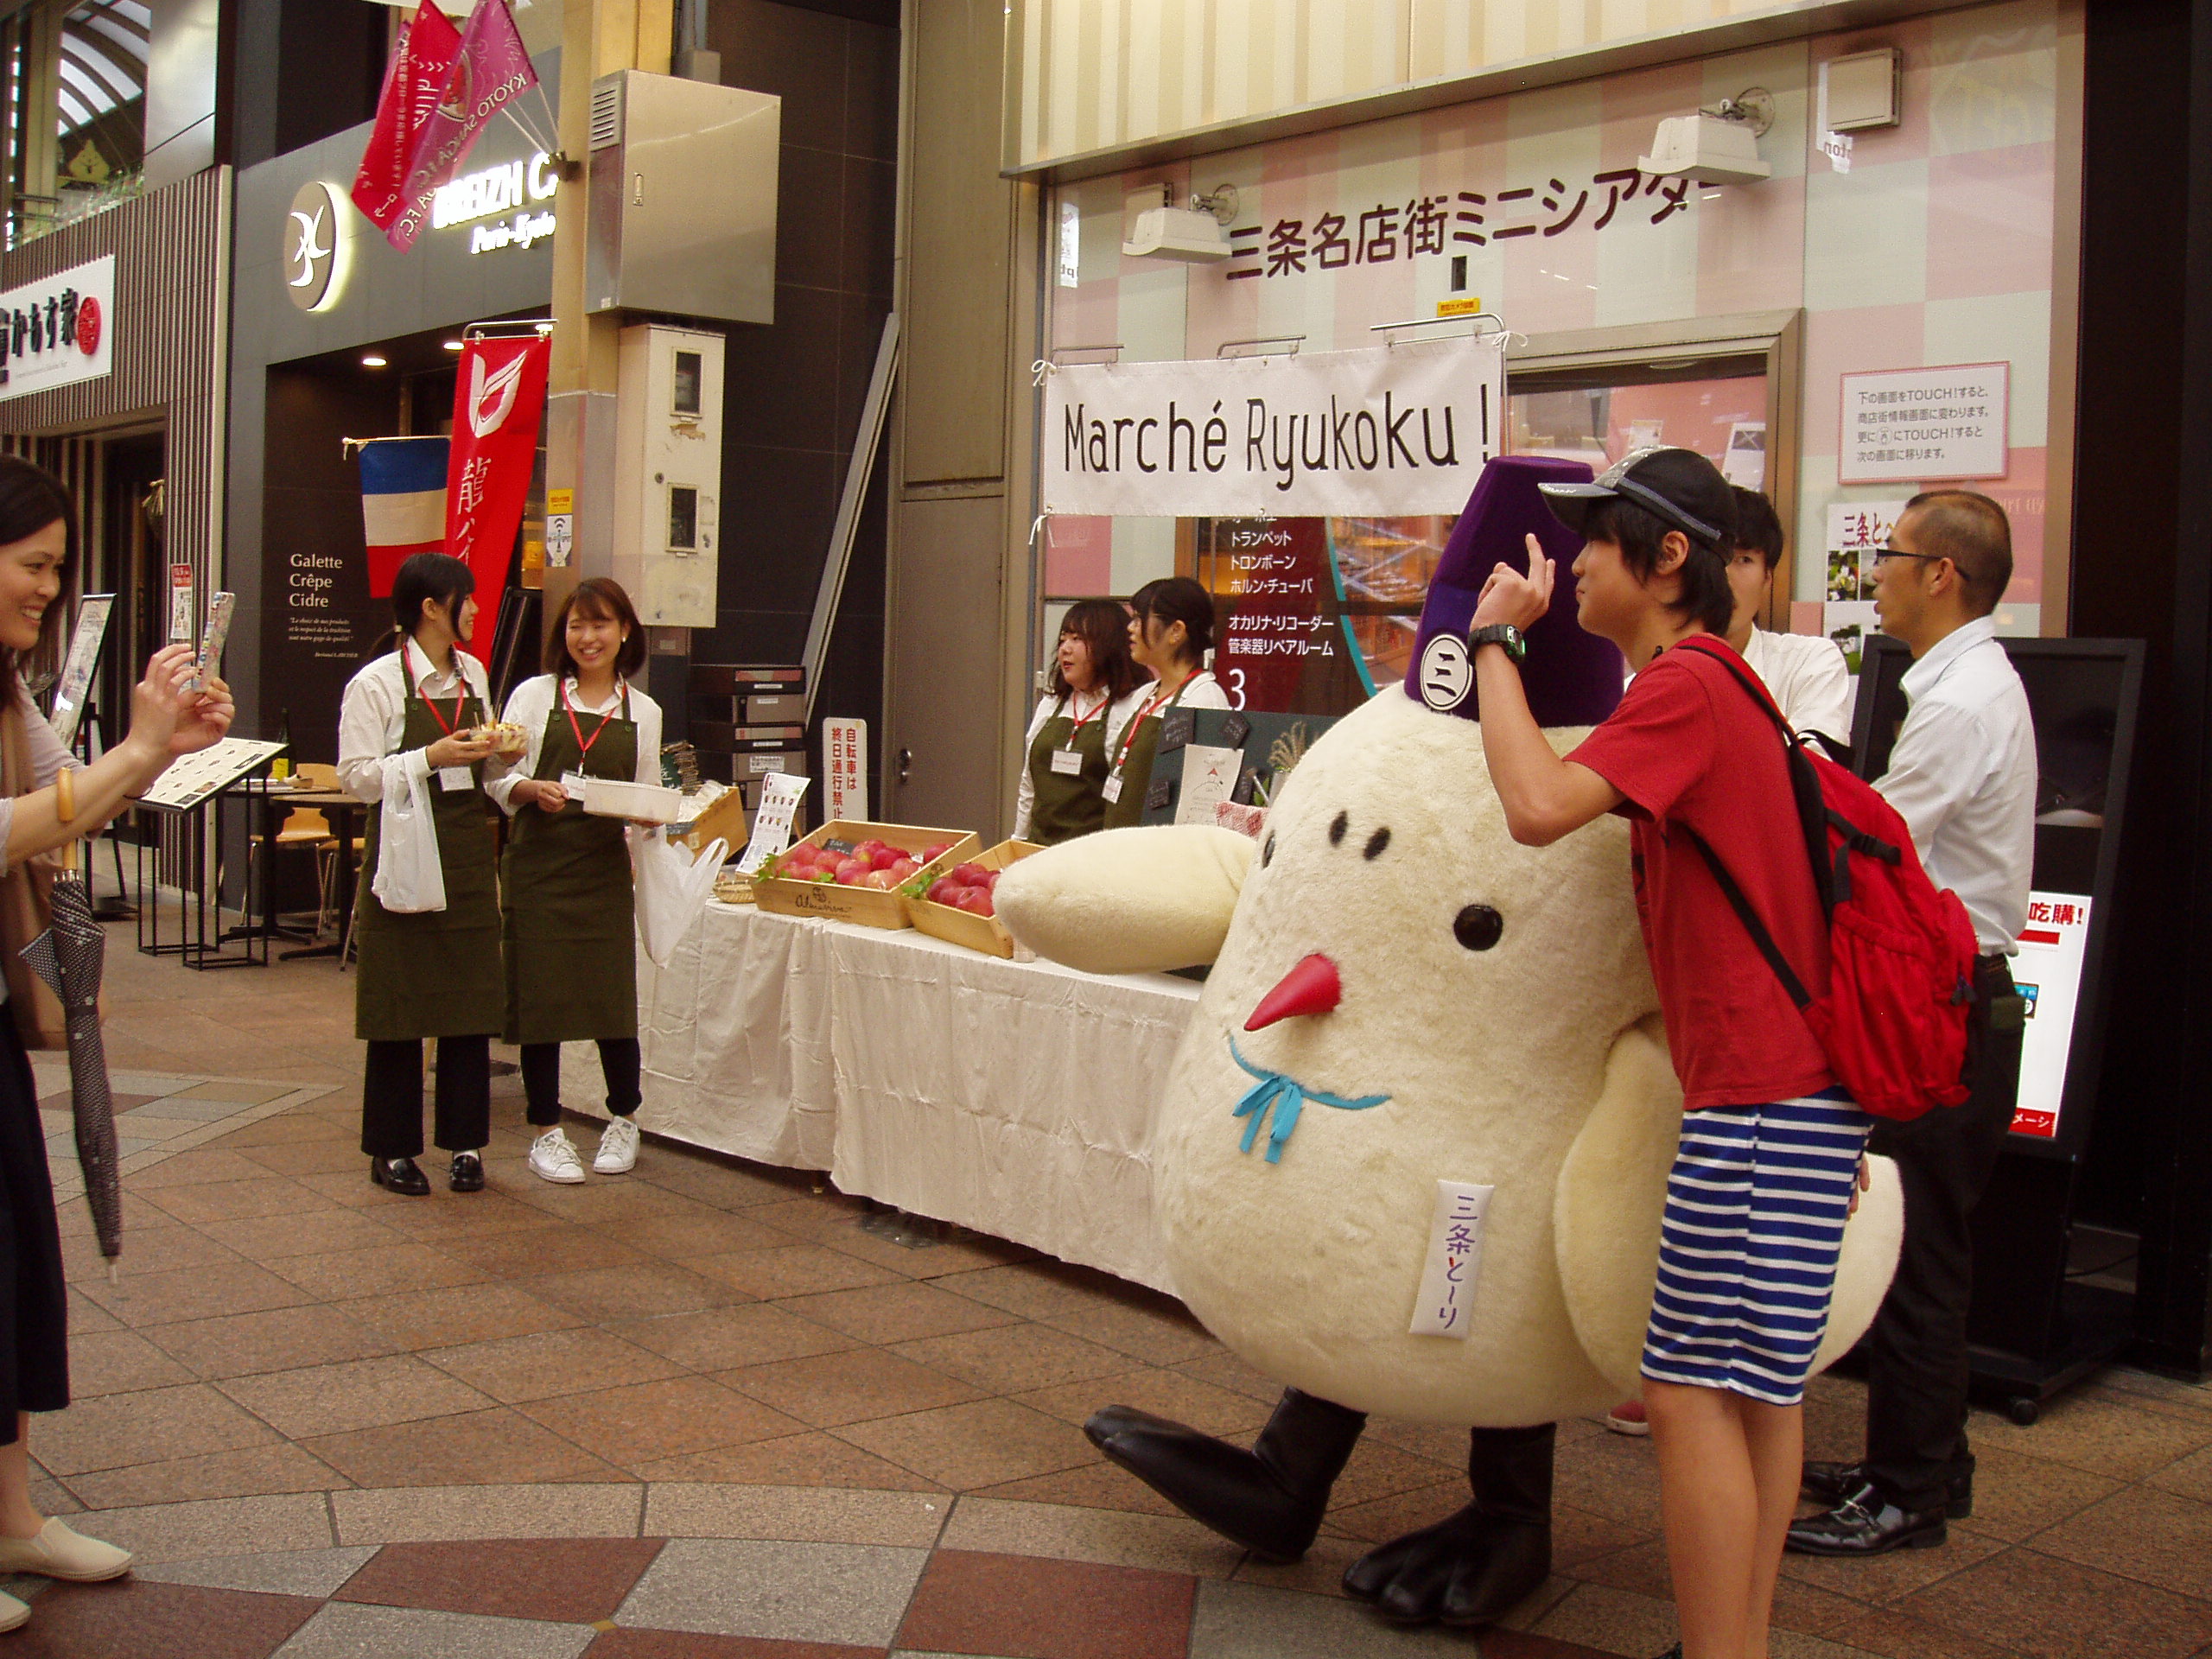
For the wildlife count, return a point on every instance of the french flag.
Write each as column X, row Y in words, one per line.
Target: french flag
column 402, row 503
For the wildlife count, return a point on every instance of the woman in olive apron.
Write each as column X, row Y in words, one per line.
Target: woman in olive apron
column 568, row 909
column 1091, row 692
column 431, row 973
column 1171, row 630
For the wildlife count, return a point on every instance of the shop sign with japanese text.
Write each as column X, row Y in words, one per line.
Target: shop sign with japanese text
column 1916, row 425
column 57, row 330
column 2047, row 971
column 1386, row 430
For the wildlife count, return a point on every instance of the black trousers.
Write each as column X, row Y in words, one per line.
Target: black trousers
column 1916, row 1396
column 619, row 1062
column 392, row 1097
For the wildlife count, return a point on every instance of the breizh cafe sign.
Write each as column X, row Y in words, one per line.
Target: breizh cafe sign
column 509, row 204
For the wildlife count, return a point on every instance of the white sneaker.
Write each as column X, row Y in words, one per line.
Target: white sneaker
column 553, row 1158
column 14, row 1614
column 618, row 1148
column 58, row 1552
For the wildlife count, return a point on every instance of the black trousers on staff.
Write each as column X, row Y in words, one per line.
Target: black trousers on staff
column 1917, row 1395
column 620, row 1060
column 392, row 1097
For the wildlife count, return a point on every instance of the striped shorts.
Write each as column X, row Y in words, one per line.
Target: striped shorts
column 1756, row 1205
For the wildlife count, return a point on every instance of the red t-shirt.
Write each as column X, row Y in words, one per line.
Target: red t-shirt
column 1689, row 746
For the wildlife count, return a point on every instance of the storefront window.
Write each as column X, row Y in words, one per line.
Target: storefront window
column 100, row 89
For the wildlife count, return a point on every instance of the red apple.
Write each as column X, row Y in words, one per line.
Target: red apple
column 851, row 869
column 882, row 880
column 883, row 858
column 974, row 901
column 930, row 855
column 944, row 891
column 970, row 875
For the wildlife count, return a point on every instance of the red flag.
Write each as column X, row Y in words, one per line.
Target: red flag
column 489, row 71
column 412, row 82
column 498, row 401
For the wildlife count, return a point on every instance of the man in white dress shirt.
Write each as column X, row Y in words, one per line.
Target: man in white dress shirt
column 1963, row 775
column 1807, row 674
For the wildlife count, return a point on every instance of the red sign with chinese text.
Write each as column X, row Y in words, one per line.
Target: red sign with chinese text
column 499, row 397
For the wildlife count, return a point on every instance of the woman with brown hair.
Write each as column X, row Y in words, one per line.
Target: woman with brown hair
column 37, row 540
column 1171, row 635
column 568, row 911
column 1093, row 689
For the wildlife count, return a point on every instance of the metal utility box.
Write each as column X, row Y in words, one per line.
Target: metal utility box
column 668, row 470
column 683, row 198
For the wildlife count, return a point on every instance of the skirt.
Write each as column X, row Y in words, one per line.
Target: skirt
column 1756, row 1206
column 33, row 1304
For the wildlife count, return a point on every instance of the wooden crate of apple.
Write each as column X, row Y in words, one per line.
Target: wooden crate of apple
column 961, row 905
column 852, row 872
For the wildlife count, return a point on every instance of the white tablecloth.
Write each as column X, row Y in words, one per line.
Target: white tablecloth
column 1016, row 1098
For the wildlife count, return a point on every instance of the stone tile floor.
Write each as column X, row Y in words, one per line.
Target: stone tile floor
column 711, row 1408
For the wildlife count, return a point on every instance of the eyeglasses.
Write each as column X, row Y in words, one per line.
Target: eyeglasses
column 1882, row 554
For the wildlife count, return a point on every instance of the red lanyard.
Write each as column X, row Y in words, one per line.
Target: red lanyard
column 1076, row 728
column 583, row 748
column 1129, row 731
column 459, row 696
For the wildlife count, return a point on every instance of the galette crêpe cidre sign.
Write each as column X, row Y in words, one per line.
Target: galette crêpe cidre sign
column 1386, row 430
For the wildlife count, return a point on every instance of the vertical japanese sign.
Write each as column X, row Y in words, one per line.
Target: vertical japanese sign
column 1282, row 609
column 499, row 397
column 1455, row 1261
column 2048, row 971
column 844, row 770
column 57, row 330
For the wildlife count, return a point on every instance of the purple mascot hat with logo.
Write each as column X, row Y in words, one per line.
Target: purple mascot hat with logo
column 1572, row 676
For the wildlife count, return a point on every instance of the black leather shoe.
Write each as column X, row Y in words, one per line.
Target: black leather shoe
column 1864, row 1525
column 1829, row 1484
column 1269, row 1499
column 467, row 1173
column 399, row 1175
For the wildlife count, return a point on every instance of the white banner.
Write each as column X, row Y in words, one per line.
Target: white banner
column 1387, row 431
column 57, row 330
column 844, row 770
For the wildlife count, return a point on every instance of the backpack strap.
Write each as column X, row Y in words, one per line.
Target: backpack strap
column 1744, row 913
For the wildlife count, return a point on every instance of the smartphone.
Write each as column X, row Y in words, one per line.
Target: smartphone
column 219, row 606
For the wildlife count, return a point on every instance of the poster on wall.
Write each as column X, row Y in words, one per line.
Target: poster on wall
column 1903, row 426
column 2048, row 974
column 57, row 330
column 1382, row 430
column 1858, row 530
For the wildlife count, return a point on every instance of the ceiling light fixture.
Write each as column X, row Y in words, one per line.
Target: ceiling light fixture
column 370, row 361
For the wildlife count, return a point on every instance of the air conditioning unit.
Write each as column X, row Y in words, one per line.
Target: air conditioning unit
column 683, row 178
column 668, row 473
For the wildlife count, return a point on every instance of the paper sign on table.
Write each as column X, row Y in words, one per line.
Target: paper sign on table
column 1455, row 1261
column 772, row 823
column 1208, row 778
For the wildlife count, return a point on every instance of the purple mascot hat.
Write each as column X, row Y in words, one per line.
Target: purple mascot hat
column 1573, row 677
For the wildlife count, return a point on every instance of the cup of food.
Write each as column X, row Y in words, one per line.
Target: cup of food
column 505, row 736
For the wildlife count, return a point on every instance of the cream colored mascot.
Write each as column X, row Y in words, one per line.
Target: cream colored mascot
column 1408, row 1007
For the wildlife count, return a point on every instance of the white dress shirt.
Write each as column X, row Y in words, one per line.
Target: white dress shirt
column 1963, row 777
column 1078, row 708
column 1810, row 682
column 534, row 702
column 373, row 715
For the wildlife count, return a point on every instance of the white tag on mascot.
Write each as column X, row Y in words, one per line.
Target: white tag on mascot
column 1403, row 995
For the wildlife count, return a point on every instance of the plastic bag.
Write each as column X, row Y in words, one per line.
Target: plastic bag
column 410, row 876
column 673, row 889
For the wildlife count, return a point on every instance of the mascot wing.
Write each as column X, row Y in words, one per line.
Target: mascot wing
column 1613, row 1188
column 1126, row 901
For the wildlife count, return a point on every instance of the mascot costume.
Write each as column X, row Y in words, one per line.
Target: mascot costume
column 1413, row 1152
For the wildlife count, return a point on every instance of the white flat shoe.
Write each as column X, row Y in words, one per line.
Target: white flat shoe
column 60, row 1553
column 618, row 1148
column 14, row 1614
column 553, row 1158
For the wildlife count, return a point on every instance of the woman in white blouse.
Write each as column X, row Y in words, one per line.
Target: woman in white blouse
column 567, row 908
column 167, row 720
column 1093, row 691
column 410, row 723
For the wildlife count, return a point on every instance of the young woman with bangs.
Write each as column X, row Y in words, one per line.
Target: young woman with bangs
column 1092, row 692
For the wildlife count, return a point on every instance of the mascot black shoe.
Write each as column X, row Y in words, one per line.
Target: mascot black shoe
column 1411, row 1156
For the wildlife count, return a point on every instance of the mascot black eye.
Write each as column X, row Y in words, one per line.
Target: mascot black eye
column 1338, row 825
column 1375, row 843
column 1267, row 851
column 1478, row 927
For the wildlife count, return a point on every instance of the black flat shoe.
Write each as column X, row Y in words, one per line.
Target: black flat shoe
column 1864, row 1525
column 467, row 1175
column 399, row 1175
column 1829, row 1484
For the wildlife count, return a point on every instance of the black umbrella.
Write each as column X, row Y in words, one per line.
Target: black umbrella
column 70, row 957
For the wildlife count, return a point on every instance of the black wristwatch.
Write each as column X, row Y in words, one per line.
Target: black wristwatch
column 1500, row 633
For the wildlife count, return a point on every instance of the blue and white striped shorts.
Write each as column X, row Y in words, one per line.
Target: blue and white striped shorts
column 1756, row 1205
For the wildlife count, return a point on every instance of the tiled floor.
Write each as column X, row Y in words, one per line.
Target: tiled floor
column 712, row 1409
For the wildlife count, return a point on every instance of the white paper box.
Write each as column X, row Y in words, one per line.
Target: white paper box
column 610, row 798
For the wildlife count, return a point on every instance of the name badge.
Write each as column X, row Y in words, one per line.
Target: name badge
column 1067, row 761
column 456, row 777
column 1112, row 792
column 573, row 782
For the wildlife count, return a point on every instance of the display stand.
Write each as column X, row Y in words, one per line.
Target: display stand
column 191, row 792
column 118, row 907
column 2035, row 1328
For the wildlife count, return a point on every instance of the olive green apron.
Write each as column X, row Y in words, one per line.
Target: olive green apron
column 1065, row 805
column 435, row 974
column 568, row 911
column 1126, row 811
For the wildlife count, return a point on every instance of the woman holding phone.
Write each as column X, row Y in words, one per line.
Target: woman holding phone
column 567, row 908
column 415, row 712
column 1171, row 631
column 167, row 719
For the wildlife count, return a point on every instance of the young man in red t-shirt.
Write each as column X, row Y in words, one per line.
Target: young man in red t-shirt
column 1760, row 1190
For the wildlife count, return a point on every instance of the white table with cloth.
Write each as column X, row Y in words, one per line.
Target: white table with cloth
column 1014, row 1098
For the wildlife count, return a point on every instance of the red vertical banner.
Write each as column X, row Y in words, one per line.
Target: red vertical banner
column 497, row 402
column 417, row 73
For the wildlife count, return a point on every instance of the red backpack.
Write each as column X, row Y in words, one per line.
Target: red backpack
column 1901, row 952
